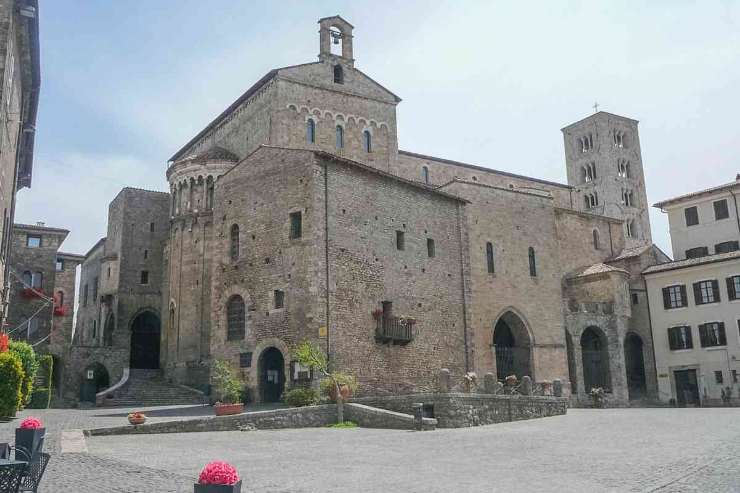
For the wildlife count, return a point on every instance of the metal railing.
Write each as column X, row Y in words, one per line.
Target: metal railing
column 395, row 330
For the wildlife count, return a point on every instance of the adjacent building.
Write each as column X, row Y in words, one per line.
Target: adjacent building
column 695, row 300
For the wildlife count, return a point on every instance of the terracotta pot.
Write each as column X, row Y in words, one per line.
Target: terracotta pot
column 227, row 409
column 344, row 391
column 137, row 420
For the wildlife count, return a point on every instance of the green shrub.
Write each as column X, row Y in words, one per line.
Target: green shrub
column 227, row 386
column 40, row 398
column 301, row 396
column 30, row 364
column 327, row 384
column 344, row 424
column 11, row 383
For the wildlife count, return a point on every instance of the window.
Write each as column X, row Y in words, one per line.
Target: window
column 340, row 137
column 628, row 198
column 84, row 295
column 712, row 334
column 532, row 263
column 59, row 266
column 697, row 252
column 296, row 225
column 33, row 241
column 234, row 242
column 27, row 279
column 733, row 287
column 718, row 377
column 630, row 229
column 635, row 299
column 430, row 247
column 209, row 195
column 425, row 174
column 674, row 297
column 586, row 143
column 692, row 216
column 245, row 360
column 94, row 329
column 146, row 254
column 596, row 239
column 37, row 280
column 338, row 74
column 591, row 200
column 680, row 338
column 235, row 319
column 734, row 376
column 278, row 299
column 706, row 292
column 726, row 247
column 720, row 209
column 489, row 258
column 95, row 290
column 310, row 131
column 589, row 172
column 108, row 273
column 59, row 301
column 145, row 277
column 367, row 141
column 619, row 139
column 400, row 240
column 151, row 227
column 623, row 168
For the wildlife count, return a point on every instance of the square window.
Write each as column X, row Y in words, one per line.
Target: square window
column 400, row 240
column 151, row 227
column 734, row 376
column 33, row 241
column 674, row 297
column 430, row 247
column 706, row 292
column 145, row 277
column 296, row 225
column 697, row 252
column 680, row 338
column 146, row 254
column 245, row 360
column 733, row 287
column 635, row 299
column 279, row 299
column 720, row 209
column 712, row 334
column 718, row 377
column 692, row 216
column 727, row 247
column 59, row 265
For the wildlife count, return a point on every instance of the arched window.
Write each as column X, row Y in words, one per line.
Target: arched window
column 340, row 137
column 37, row 280
column 367, row 141
column 235, row 320
column 425, row 174
column 596, row 240
column 489, row 258
column 27, row 279
column 338, row 74
column 209, row 193
column 94, row 329
column 234, row 242
column 310, row 131
column 532, row 263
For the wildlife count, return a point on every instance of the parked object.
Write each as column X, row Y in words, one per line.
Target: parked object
column 218, row 477
column 227, row 388
column 29, row 440
column 137, row 418
column 10, row 475
column 222, row 409
column 32, row 477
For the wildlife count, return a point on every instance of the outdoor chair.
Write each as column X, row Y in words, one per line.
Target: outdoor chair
column 10, row 477
column 33, row 473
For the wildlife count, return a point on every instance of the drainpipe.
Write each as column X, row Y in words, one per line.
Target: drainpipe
column 737, row 215
column 462, row 283
column 326, row 250
column 611, row 243
column 652, row 339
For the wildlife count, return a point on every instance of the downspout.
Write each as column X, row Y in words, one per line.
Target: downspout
column 462, row 284
column 737, row 215
column 652, row 339
column 326, row 250
column 611, row 243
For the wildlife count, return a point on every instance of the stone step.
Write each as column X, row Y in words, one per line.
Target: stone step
column 149, row 388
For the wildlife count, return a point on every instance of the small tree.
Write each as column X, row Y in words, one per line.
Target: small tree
column 227, row 385
column 30, row 363
column 11, row 383
column 309, row 354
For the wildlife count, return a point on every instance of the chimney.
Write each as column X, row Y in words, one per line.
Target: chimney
column 40, row 223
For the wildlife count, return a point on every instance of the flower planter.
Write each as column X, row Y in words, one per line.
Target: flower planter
column 137, row 420
column 29, row 441
column 227, row 409
column 218, row 488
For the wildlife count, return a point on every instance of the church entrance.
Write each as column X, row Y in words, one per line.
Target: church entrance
column 634, row 363
column 271, row 368
column 512, row 345
column 595, row 353
column 145, row 337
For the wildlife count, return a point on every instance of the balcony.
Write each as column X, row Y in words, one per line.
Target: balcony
column 60, row 311
column 394, row 330
column 30, row 293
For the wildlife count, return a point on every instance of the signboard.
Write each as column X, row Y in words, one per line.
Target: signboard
column 322, row 331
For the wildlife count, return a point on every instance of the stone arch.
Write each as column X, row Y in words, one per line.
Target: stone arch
column 595, row 358
column 512, row 343
column 271, row 373
column 634, row 365
column 145, row 330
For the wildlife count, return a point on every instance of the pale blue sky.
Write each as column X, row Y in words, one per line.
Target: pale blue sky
column 125, row 84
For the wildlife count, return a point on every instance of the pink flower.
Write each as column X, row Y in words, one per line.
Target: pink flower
column 218, row 472
column 31, row 423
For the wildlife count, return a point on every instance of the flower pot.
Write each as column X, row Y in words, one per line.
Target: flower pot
column 218, row 488
column 344, row 391
column 137, row 420
column 227, row 409
column 29, row 441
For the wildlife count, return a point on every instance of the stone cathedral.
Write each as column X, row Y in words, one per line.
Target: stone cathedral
column 294, row 216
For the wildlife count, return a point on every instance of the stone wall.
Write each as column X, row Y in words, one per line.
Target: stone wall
column 375, row 417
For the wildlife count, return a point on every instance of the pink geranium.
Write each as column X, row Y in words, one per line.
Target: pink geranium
column 31, row 423
column 218, row 472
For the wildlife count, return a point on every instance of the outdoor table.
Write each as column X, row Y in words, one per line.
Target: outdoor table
column 10, row 462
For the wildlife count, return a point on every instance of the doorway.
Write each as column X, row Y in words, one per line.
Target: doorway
column 272, row 375
column 634, row 363
column 687, row 389
column 595, row 356
column 145, row 335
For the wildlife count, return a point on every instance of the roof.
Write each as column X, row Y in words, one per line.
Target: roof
column 595, row 269
column 32, row 76
column 630, row 253
column 71, row 256
column 706, row 191
column 598, row 113
column 590, row 215
column 215, row 153
column 481, row 168
column 692, row 262
column 40, row 229
column 100, row 242
column 544, row 194
column 336, row 17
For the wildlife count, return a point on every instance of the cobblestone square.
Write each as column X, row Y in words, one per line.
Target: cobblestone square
column 642, row 450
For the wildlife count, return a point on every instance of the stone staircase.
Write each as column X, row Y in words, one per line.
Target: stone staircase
column 148, row 388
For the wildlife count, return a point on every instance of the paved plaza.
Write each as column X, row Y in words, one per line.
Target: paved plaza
column 666, row 450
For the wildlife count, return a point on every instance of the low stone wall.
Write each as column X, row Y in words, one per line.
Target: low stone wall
column 297, row 417
column 374, row 417
column 458, row 410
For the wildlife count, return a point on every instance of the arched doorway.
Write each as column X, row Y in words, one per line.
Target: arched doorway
column 145, row 341
column 634, row 363
column 271, row 368
column 595, row 354
column 512, row 344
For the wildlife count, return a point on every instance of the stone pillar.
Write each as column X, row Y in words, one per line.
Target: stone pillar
column 526, row 387
column 418, row 415
column 444, row 380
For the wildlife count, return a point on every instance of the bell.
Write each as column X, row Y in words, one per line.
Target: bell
column 336, row 40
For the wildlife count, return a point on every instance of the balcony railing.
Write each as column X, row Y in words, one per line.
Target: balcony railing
column 394, row 330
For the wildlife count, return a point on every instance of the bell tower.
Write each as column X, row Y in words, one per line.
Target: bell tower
column 335, row 31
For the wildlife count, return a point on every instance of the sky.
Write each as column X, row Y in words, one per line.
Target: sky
column 126, row 84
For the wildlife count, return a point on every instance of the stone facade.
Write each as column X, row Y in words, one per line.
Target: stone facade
column 293, row 216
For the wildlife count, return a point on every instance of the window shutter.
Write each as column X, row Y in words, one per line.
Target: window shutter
column 666, row 299
column 689, row 341
column 722, row 337
column 731, row 288
column 715, row 288
column 672, row 338
column 697, row 294
column 703, row 335
column 684, row 298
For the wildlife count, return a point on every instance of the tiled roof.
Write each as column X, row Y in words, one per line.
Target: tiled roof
column 36, row 227
column 692, row 262
column 681, row 198
column 594, row 269
column 630, row 253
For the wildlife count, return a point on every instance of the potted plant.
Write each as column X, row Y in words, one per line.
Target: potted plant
column 29, row 439
column 137, row 418
column 218, row 477
column 347, row 385
column 227, row 388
